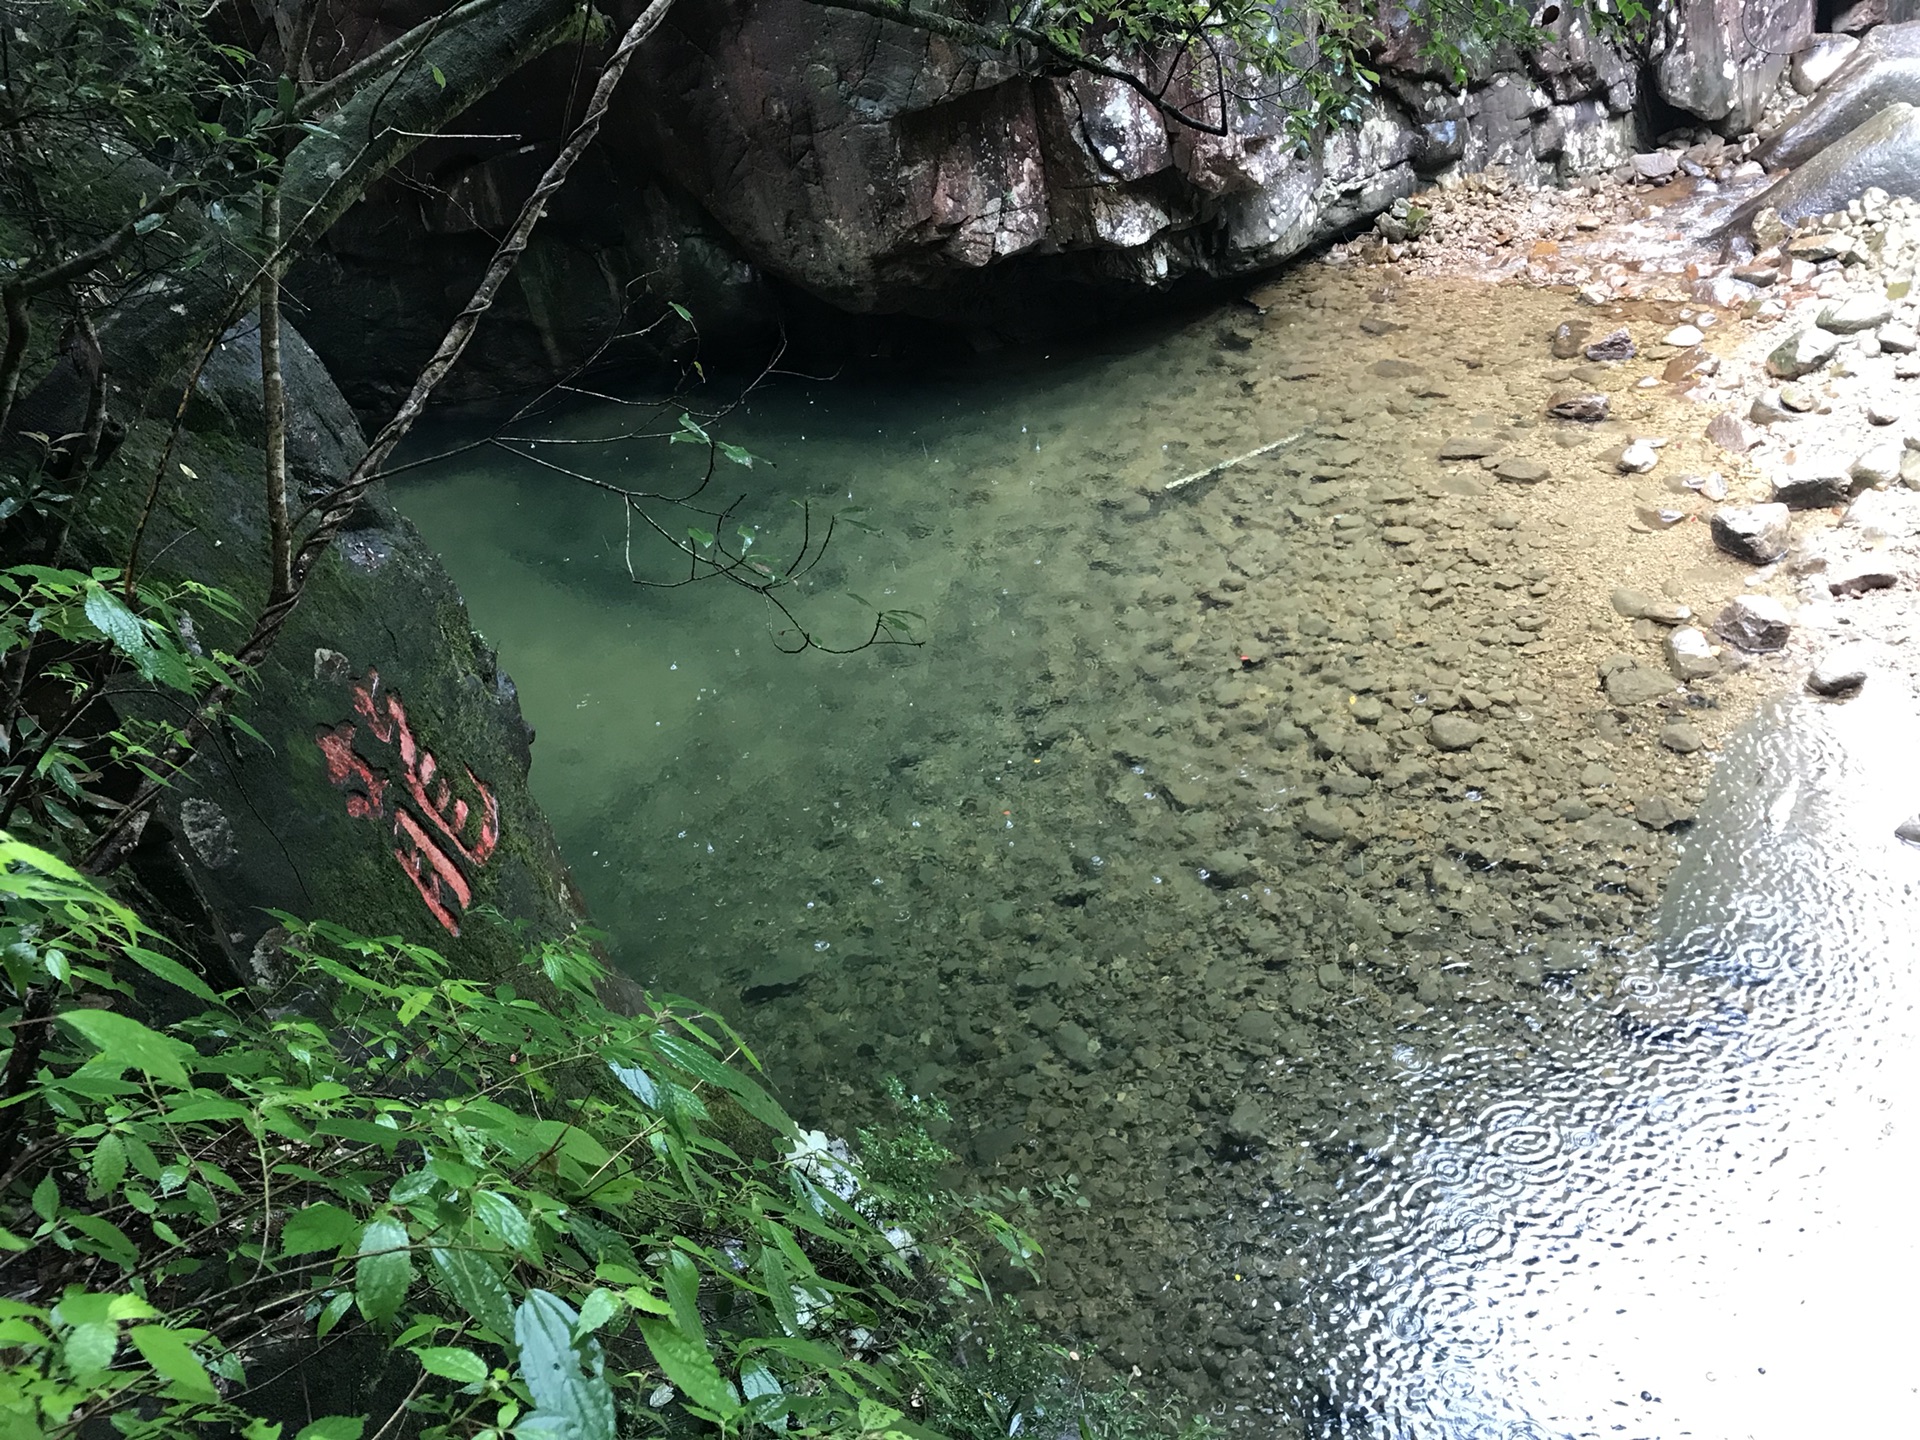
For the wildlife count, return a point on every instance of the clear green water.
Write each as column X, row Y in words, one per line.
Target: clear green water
column 1431, row 1129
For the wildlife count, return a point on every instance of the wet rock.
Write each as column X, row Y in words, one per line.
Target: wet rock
column 1683, row 337
column 1815, row 62
column 1469, row 447
column 1880, row 71
column 1638, row 457
column 1758, row 623
column 1854, row 314
column 1454, row 732
column 1616, row 345
column 1730, row 432
column 1882, row 151
column 1859, row 575
column 1690, row 655
column 1247, row 1125
column 1661, row 812
column 1586, row 405
column 1682, row 738
column 1839, row 672
column 1814, row 485
column 1229, row 869
column 1758, row 534
column 1520, row 471
column 1635, row 684
column 1802, row 353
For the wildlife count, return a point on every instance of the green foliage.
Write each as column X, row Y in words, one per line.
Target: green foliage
column 78, row 662
column 513, row 1209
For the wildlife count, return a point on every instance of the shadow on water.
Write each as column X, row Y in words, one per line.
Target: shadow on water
column 1691, row 1214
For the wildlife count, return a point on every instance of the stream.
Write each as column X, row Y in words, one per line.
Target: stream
column 1256, row 868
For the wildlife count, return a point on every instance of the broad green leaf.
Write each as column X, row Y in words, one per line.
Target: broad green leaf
column 172, row 1358
column 384, row 1270
column 334, row 1427
column 109, row 1163
column 596, row 1310
column 46, row 1198
column 691, row 1057
column 451, row 1362
column 90, row 1347
column 109, row 615
column 124, row 1041
column 503, row 1218
column 318, row 1227
column 171, row 971
column 688, row 1363
column 779, row 1284
column 766, row 1402
column 330, row 1315
column 681, row 1279
column 476, row 1286
column 567, row 1378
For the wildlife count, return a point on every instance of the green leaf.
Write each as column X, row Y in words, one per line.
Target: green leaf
column 384, row 1270
column 46, row 1198
column 439, row 78
column 172, row 1358
column 680, row 310
column 567, row 1378
column 476, row 1286
column 451, row 1362
column 699, row 1063
column 318, row 1227
column 171, row 971
column 596, row 1310
column 779, row 1285
column 112, row 619
column 682, row 1282
column 503, row 1218
column 334, row 1427
column 124, row 1041
column 330, row 1315
column 89, row 1348
column 688, row 1364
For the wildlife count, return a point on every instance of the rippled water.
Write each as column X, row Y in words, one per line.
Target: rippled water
column 1394, row 1108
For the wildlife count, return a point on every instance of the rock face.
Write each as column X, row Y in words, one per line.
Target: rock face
column 1883, row 150
column 392, row 789
column 1884, row 69
column 1721, row 58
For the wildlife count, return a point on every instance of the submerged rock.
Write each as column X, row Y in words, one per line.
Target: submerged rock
column 1454, row 732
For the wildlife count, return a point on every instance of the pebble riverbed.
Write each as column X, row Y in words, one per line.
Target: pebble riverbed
column 1266, row 872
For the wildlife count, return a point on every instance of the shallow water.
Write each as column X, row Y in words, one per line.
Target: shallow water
column 1395, row 1109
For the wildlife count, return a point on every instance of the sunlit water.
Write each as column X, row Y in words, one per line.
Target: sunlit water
column 1640, row 1176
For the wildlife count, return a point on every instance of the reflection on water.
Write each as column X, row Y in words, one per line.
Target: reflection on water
column 1689, row 1216
column 1388, row 1121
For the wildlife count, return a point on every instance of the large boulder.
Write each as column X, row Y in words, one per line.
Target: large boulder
column 1720, row 59
column 1885, row 151
column 387, row 789
column 1883, row 69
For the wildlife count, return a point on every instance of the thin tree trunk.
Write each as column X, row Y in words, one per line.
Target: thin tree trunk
column 273, row 395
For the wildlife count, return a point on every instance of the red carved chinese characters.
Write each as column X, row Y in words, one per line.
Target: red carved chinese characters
column 442, row 835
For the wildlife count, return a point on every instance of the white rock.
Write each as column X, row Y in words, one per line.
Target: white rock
column 1684, row 336
column 1639, row 457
